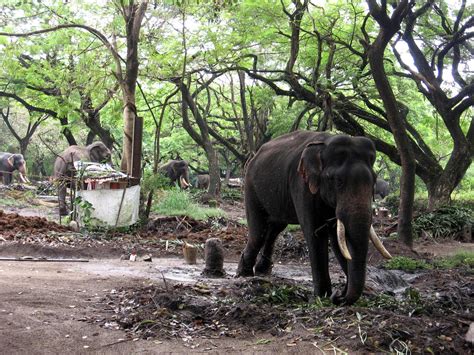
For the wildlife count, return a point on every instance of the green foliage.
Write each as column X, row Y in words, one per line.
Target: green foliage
column 154, row 182
column 10, row 202
column 445, row 222
column 284, row 294
column 178, row 203
column 293, row 228
column 231, row 194
column 85, row 209
column 411, row 300
column 460, row 259
column 406, row 264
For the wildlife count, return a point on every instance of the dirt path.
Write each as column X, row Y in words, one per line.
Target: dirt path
column 114, row 306
column 51, row 307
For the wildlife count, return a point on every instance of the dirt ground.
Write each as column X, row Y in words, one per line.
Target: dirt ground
column 113, row 305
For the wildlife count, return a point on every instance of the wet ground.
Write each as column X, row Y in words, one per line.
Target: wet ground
column 113, row 305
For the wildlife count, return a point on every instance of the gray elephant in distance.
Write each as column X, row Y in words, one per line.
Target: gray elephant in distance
column 176, row 170
column 203, row 181
column 64, row 167
column 382, row 189
column 9, row 163
column 324, row 183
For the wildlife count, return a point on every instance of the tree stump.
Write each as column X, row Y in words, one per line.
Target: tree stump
column 214, row 256
column 190, row 253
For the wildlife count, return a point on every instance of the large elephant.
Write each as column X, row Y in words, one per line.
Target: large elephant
column 64, row 166
column 176, row 170
column 325, row 184
column 382, row 188
column 9, row 163
column 202, row 181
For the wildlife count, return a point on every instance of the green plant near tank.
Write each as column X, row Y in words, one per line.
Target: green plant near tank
column 445, row 222
column 85, row 208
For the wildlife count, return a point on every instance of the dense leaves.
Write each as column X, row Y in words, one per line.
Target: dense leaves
column 254, row 70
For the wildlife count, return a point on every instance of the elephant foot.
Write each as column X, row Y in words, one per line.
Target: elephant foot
column 264, row 266
column 339, row 298
column 243, row 270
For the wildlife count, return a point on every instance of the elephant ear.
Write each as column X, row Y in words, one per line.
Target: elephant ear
column 11, row 161
column 97, row 152
column 310, row 165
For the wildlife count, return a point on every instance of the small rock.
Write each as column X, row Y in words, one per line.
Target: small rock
column 74, row 226
column 147, row 258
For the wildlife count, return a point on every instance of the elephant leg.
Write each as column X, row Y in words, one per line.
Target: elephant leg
column 318, row 255
column 342, row 261
column 7, row 178
column 257, row 221
column 264, row 264
column 63, row 210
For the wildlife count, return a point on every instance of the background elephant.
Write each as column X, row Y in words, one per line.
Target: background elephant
column 9, row 163
column 176, row 170
column 324, row 183
column 64, row 166
column 382, row 188
column 202, row 181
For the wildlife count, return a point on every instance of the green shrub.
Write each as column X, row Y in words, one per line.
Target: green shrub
column 155, row 182
column 406, row 264
column 445, row 222
column 177, row 202
column 460, row 259
column 231, row 194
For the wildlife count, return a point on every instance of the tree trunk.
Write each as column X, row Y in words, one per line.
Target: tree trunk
column 248, row 126
column 440, row 189
column 214, row 172
column 133, row 15
column 395, row 118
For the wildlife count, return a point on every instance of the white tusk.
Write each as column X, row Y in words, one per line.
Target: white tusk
column 378, row 244
column 341, row 240
column 24, row 179
column 183, row 182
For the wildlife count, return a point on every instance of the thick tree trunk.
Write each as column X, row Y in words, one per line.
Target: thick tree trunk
column 133, row 15
column 129, row 115
column 395, row 118
column 214, row 173
column 440, row 189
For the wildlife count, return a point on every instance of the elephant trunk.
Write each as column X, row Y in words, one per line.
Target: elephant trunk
column 353, row 231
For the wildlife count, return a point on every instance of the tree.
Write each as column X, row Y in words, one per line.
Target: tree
column 396, row 116
column 33, row 124
column 132, row 13
column 449, row 38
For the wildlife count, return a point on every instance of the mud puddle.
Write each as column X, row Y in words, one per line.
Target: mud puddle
column 177, row 270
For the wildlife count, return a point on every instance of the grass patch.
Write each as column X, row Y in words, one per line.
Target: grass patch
column 242, row 221
column 460, row 259
column 411, row 302
column 10, row 202
column 293, row 228
column 176, row 202
column 406, row 264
